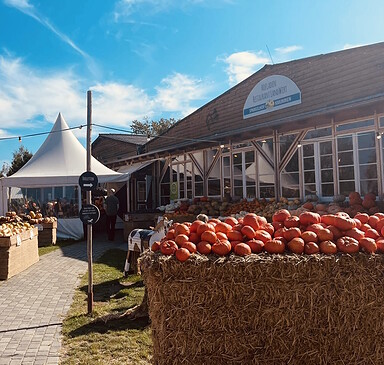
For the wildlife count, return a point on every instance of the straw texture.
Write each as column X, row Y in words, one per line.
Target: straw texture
column 266, row 309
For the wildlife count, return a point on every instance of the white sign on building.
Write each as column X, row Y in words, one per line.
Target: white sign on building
column 272, row 93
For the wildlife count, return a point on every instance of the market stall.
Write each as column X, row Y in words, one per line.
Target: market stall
column 49, row 180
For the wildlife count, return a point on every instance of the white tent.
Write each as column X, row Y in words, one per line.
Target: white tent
column 59, row 161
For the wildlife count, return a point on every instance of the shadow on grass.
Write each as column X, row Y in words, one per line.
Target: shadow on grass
column 117, row 324
column 103, row 292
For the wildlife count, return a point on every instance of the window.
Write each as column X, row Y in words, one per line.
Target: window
column 357, row 163
column 214, row 185
column 165, row 191
column 354, row 125
column 290, row 178
column 318, row 169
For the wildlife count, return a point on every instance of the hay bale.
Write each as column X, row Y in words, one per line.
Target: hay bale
column 266, row 309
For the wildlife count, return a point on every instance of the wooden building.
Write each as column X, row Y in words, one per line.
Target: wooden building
column 308, row 126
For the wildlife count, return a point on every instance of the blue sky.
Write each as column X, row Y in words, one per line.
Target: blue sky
column 153, row 58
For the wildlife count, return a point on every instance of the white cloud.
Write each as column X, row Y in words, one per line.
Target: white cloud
column 288, row 49
column 25, row 7
column 28, row 95
column 119, row 104
column 348, row 45
column 177, row 93
column 125, row 8
column 243, row 64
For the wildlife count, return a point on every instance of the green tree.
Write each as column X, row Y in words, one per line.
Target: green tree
column 152, row 128
column 20, row 158
column 4, row 170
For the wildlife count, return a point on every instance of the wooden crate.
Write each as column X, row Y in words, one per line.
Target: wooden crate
column 47, row 234
column 18, row 252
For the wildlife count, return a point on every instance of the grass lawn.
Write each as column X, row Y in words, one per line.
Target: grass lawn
column 59, row 244
column 89, row 340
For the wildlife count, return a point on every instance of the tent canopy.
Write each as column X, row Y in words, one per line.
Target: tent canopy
column 59, row 161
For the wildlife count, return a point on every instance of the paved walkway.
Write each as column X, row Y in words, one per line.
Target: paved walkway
column 34, row 303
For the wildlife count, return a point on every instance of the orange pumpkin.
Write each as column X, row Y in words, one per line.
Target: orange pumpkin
column 307, row 218
column 380, row 244
column 368, row 245
column 325, row 234
column 328, row 247
column 168, row 247
column 291, row 233
column 296, row 245
column 348, row 245
column 221, row 236
column 309, row 236
column 372, row 233
column 365, row 227
column 181, row 229
column 191, row 247
column 269, row 228
column 235, row 236
column 204, row 247
column 343, row 223
column 355, row 233
column 250, row 219
column 209, row 236
column 328, row 219
column 280, row 215
column 237, row 227
column 311, row 248
column 373, row 220
column 279, row 232
column 262, row 235
column 292, row 221
column 205, row 227
column 221, row 248
column 379, row 225
column 195, row 225
column 223, row 227
column 182, row 254
column 277, row 225
column 242, row 249
column 336, row 232
column 256, row 246
column 194, row 237
column 155, row 246
column 180, row 239
column 274, row 246
column 248, row 232
column 362, row 217
column 231, row 221
column 170, row 234
column 316, row 227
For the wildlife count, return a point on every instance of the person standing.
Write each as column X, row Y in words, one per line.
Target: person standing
column 111, row 206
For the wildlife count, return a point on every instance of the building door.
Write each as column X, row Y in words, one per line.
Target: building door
column 318, row 177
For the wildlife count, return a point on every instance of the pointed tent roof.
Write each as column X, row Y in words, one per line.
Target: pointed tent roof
column 59, row 161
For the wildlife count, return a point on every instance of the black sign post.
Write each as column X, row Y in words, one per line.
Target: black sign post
column 89, row 214
column 88, row 181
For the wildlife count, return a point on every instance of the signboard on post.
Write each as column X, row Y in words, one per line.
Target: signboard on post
column 88, row 181
column 89, row 214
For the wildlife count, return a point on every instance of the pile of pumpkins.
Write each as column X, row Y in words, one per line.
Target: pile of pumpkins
column 309, row 233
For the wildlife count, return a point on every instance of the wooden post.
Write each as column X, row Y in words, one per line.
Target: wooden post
column 89, row 201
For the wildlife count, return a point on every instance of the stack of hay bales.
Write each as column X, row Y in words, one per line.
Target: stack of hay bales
column 266, row 309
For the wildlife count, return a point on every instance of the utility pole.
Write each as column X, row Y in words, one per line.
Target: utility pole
column 89, row 201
